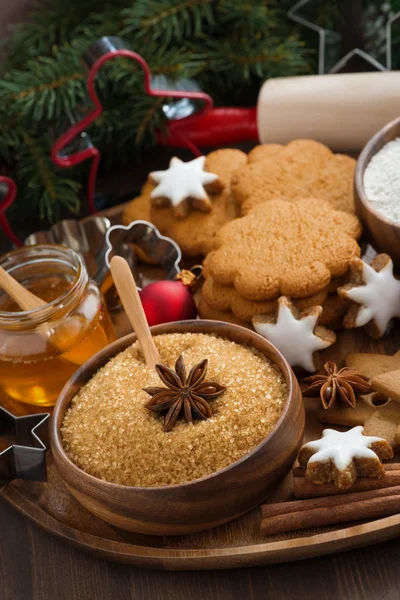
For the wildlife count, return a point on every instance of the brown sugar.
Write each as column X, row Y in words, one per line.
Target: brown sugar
column 110, row 434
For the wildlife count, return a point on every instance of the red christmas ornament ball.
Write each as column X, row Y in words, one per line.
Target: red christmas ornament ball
column 166, row 301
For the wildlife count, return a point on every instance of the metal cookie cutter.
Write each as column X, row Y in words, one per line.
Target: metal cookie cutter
column 86, row 237
column 26, row 457
column 149, row 245
column 8, row 192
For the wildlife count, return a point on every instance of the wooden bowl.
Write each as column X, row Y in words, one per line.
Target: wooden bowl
column 202, row 503
column 383, row 234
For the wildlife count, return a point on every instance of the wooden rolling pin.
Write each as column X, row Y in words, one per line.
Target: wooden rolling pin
column 340, row 110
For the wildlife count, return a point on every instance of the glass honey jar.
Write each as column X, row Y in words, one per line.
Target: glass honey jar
column 40, row 349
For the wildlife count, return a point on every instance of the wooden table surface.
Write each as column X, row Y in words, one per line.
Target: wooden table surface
column 36, row 566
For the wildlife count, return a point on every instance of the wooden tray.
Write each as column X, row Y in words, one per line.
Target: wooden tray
column 237, row 544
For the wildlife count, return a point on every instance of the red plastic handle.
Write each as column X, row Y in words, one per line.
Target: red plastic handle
column 218, row 127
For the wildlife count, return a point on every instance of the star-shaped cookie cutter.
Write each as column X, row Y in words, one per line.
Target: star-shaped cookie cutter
column 327, row 61
column 100, row 52
column 26, row 457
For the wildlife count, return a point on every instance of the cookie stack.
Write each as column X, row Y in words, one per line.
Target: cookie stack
column 278, row 221
column 300, row 249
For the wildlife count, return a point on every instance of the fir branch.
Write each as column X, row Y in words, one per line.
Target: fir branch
column 176, row 19
column 51, row 23
column 40, row 184
column 262, row 57
column 149, row 119
column 249, row 18
column 48, row 89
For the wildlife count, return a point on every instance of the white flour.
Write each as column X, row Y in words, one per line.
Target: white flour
column 382, row 181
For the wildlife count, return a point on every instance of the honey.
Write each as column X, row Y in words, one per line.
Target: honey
column 41, row 349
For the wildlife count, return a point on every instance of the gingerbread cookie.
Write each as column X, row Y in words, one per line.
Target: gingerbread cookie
column 342, row 457
column 207, row 312
column 371, row 365
column 195, row 233
column 302, row 169
column 388, row 383
column 379, row 416
column 283, row 248
column 375, row 293
column 295, row 333
column 265, row 152
column 222, row 297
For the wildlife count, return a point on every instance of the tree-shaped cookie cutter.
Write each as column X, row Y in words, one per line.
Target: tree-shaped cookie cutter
column 100, row 52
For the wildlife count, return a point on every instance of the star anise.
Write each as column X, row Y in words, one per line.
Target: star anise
column 188, row 396
column 334, row 384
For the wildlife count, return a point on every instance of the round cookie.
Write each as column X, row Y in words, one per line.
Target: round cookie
column 334, row 309
column 284, row 248
column 246, row 309
column 264, row 152
column 138, row 209
column 220, row 297
column 206, row 312
column 301, row 169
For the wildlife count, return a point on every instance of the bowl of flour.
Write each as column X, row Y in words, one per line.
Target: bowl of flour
column 377, row 190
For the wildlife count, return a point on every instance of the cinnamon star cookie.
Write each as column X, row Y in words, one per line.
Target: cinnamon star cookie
column 342, row 457
column 195, row 233
column 295, row 333
column 375, row 293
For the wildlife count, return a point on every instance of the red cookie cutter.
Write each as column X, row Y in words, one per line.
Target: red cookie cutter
column 8, row 192
column 108, row 48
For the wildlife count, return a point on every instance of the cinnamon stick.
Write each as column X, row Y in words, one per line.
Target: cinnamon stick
column 330, row 511
column 281, row 508
column 300, row 472
column 304, row 489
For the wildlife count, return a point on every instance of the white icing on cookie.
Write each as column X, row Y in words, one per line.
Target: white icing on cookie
column 342, row 447
column 182, row 180
column 295, row 338
column 379, row 297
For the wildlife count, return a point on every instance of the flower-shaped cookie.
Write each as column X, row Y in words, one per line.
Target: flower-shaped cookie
column 302, row 169
column 284, row 248
column 375, row 292
column 295, row 333
column 342, row 457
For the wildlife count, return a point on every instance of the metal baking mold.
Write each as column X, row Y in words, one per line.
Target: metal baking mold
column 86, row 237
column 148, row 243
column 26, row 458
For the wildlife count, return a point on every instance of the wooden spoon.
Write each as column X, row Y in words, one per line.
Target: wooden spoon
column 60, row 337
column 129, row 296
